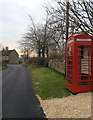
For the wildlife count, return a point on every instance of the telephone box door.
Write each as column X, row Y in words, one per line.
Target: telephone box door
column 85, row 67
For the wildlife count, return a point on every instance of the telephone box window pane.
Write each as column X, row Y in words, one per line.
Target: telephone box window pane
column 84, row 58
column 69, row 65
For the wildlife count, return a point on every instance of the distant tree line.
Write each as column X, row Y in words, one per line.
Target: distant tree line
column 49, row 38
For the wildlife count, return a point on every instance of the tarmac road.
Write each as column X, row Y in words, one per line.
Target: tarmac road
column 18, row 97
column 0, row 94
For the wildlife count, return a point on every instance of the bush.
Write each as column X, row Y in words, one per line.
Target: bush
column 38, row 61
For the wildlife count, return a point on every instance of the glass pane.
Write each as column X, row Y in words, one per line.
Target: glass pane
column 84, row 57
column 69, row 65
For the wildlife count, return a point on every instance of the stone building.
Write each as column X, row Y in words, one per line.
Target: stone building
column 9, row 56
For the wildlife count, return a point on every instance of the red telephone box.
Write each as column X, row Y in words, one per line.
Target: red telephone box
column 79, row 63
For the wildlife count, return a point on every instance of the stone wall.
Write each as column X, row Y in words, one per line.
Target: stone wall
column 58, row 65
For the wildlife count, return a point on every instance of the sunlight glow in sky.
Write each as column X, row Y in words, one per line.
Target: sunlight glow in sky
column 14, row 19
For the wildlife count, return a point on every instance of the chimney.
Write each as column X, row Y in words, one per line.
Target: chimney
column 6, row 48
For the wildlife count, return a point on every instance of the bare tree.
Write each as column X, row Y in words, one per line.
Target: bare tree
column 50, row 37
column 80, row 20
column 81, row 15
column 56, row 26
column 37, row 38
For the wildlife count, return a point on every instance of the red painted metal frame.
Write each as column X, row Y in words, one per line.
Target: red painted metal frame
column 72, row 42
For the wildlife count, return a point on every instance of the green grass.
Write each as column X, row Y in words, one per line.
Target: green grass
column 48, row 83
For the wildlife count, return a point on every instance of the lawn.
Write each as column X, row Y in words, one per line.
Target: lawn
column 48, row 83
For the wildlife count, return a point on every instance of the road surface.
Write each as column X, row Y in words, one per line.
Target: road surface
column 18, row 98
column 0, row 94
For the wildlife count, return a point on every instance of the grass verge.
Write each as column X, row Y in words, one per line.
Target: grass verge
column 48, row 83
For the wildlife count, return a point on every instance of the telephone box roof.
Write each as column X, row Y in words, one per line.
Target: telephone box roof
column 80, row 35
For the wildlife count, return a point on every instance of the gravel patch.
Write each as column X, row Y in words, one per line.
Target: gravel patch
column 74, row 106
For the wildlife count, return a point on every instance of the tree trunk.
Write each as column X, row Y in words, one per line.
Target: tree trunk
column 47, row 52
column 39, row 53
column 43, row 52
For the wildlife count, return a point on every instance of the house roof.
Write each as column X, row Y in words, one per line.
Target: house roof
column 7, row 52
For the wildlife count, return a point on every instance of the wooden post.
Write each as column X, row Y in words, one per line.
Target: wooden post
column 67, row 29
column 67, row 19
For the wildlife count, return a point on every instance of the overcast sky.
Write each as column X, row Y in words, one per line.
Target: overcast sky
column 14, row 19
